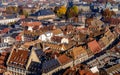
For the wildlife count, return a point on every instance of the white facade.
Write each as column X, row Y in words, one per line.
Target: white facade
column 30, row 28
column 65, row 40
column 46, row 37
column 6, row 21
column 9, row 40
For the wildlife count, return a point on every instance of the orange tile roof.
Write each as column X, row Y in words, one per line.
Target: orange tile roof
column 57, row 31
column 31, row 23
column 94, row 46
column 78, row 51
column 18, row 58
column 63, row 59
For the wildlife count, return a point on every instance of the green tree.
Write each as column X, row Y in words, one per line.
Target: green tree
column 75, row 9
column 25, row 13
column 72, row 12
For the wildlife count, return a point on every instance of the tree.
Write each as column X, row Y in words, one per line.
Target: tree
column 75, row 9
column 72, row 12
column 60, row 11
column 25, row 13
column 12, row 9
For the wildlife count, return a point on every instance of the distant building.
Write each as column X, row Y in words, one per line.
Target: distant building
column 8, row 19
column 43, row 14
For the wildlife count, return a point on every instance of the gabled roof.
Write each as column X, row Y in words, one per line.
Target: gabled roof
column 94, row 46
column 59, row 46
column 31, row 43
column 18, row 58
column 35, row 67
column 50, row 65
column 78, row 51
column 63, row 59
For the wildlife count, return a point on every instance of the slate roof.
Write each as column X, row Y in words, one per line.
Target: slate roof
column 40, row 53
column 50, row 65
column 14, row 30
column 3, row 27
column 11, row 16
column 43, row 12
column 35, row 67
column 14, row 35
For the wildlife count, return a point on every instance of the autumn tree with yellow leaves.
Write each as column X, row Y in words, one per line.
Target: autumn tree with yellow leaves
column 60, row 11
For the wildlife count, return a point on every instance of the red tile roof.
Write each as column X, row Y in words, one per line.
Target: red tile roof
column 19, row 58
column 94, row 46
column 63, row 59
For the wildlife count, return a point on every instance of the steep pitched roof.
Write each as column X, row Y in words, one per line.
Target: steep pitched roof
column 94, row 46
column 35, row 67
column 18, row 58
column 39, row 53
column 50, row 65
